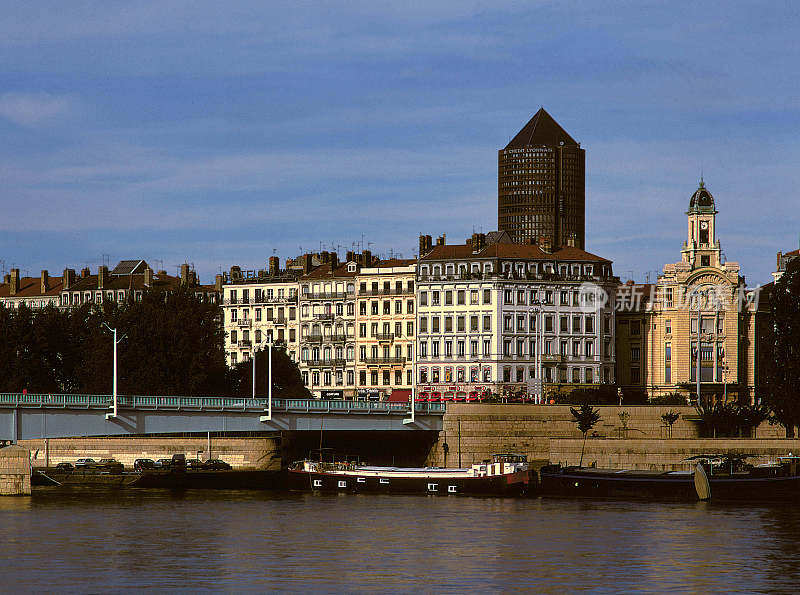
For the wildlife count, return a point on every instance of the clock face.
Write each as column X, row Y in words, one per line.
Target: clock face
column 704, row 225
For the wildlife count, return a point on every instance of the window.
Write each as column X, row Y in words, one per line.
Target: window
column 473, row 323
column 508, row 296
column 487, row 296
column 448, row 349
column 564, row 324
column 635, row 375
column 362, row 329
column 589, row 324
column 317, row 483
column 473, row 296
column 668, row 352
column 451, row 489
column 487, row 348
column 423, row 298
column 548, row 323
column 461, row 324
column 589, row 376
column 448, row 298
column 635, row 328
column 448, row 324
column 565, row 298
column 387, row 307
column 461, row 297
column 432, row 487
column 506, row 348
column 435, row 349
column 434, row 324
column 409, row 305
column 258, row 314
column 634, row 354
column 576, row 324
column 434, row 298
column 398, row 307
column 487, row 323
column 668, row 327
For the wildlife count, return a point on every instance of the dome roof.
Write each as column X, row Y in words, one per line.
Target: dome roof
column 701, row 201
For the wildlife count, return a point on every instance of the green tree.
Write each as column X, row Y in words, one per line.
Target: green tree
column 781, row 374
column 585, row 418
column 669, row 418
column 286, row 379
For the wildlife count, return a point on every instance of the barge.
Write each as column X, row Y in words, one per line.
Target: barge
column 502, row 475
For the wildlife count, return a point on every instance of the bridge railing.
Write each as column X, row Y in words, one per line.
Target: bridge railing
column 206, row 403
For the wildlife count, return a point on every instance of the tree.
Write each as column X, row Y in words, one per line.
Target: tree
column 669, row 418
column 781, row 374
column 585, row 418
column 286, row 379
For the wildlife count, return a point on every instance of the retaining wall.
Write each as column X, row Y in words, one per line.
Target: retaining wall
column 241, row 453
column 15, row 471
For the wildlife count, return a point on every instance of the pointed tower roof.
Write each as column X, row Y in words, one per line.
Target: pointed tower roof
column 542, row 129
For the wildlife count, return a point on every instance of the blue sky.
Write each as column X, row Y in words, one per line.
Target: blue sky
column 221, row 133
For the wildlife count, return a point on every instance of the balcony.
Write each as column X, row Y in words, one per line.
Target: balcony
column 260, row 300
column 553, row 358
column 384, row 361
column 325, row 316
column 325, row 363
column 281, row 321
column 245, row 343
column 336, row 338
column 384, row 336
column 244, row 322
column 383, row 292
column 335, row 295
column 312, row 339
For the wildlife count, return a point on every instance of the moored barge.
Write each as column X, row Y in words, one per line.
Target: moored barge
column 503, row 475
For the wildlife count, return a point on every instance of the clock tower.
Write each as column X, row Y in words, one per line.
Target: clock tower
column 701, row 248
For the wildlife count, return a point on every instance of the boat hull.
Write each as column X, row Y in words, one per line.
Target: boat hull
column 511, row 484
column 589, row 483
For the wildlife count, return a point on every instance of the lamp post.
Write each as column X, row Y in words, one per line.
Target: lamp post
column 116, row 341
column 268, row 416
column 536, row 308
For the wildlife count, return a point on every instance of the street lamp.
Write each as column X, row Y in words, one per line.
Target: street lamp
column 268, row 416
column 116, row 342
column 536, row 308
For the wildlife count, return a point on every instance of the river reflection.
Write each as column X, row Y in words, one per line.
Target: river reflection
column 234, row 541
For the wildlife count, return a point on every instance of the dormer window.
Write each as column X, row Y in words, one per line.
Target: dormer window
column 351, row 267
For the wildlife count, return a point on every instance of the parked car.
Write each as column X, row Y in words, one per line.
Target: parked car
column 111, row 466
column 194, row 464
column 142, row 464
column 163, row 463
column 65, row 467
column 85, row 463
column 178, row 462
column 216, row 465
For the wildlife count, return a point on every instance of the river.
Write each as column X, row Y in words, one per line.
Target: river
column 90, row 541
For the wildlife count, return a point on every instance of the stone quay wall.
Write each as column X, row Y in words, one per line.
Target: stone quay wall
column 240, row 453
column 15, row 471
column 664, row 455
column 485, row 429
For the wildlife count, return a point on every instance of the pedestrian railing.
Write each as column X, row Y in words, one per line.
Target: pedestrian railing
column 206, row 403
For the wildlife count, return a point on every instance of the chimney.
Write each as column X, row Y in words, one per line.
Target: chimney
column 85, row 273
column 308, row 263
column 45, row 283
column 14, row 282
column 148, row 277
column 184, row 275
column 440, row 241
column 6, row 279
column 367, row 258
column 218, row 283
column 780, row 255
column 102, row 275
column 69, row 278
column 236, row 273
column 274, row 266
column 351, row 256
column 334, row 258
column 571, row 241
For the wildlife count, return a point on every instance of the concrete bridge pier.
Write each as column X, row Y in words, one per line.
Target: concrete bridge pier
column 15, row 471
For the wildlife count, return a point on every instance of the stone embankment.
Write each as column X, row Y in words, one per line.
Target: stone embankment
column 15, row 471
column 241, row 453
column 548, row 433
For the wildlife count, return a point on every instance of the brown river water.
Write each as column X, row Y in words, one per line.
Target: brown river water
column 89, row 541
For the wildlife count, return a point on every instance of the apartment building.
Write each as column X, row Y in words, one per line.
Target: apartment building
column 260, row 307
column 33, row 292
column 385, row 323
column 510, row 319
column 327, row 304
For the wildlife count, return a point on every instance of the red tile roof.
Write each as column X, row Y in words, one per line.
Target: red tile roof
column 501, row 250
column 30, row 287
column 323, row 271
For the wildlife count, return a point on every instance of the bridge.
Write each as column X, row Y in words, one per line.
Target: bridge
column 30, row 416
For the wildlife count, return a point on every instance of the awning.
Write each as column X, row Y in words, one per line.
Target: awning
column 400, row 395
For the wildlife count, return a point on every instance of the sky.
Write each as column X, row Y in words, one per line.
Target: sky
column 222, row 133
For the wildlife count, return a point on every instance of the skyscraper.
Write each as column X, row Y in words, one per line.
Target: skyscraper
column 541, row 185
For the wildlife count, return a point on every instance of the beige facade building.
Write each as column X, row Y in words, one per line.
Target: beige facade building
column 510, row 319
column 385, row 329
column 698, row 319
column 260, row 308
column 33, row 292
column 327, row 303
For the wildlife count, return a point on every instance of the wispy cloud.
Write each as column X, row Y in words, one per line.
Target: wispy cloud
column 30, row 109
